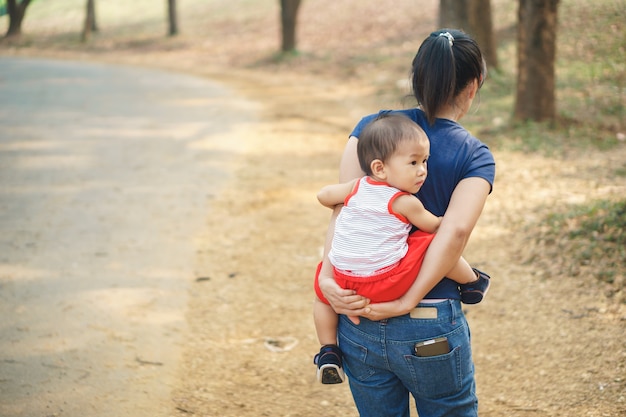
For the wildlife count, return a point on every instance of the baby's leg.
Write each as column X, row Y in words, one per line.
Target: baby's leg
column 473, row 284
column 328, row 361
column 326, row 321
column 462, row 272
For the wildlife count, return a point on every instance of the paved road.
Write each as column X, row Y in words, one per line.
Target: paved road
column 106, row 178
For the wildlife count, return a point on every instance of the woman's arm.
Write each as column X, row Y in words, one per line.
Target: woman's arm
column 466, row 204
column 342, row 301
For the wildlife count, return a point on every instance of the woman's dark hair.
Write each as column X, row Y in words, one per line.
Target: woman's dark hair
column 381, row 137
column 446, row 62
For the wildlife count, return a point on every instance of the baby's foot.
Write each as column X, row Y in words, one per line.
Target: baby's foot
column 474, row 292
column 329, row 365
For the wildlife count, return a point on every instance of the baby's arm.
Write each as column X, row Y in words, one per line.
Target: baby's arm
column 334, row 194
column 412, row 208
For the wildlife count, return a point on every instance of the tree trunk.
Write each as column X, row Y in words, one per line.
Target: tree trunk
column 173, row 21
column 536, row 52
column 454, row 14
column 94, row 21
column 474, row 18
column 481, row 29
column 16, row 16
column 288, row 13
column 90, row 20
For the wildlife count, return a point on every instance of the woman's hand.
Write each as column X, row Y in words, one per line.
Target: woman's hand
column 343, row 301
column 380, row 311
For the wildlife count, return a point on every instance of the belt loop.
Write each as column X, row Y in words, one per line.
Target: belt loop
column 452, row 305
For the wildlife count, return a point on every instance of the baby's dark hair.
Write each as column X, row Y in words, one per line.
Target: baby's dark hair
column 380, row 138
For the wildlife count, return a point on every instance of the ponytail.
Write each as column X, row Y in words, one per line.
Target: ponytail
column 445, row 63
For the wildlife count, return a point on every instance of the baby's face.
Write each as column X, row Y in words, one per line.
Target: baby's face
column 407, row 168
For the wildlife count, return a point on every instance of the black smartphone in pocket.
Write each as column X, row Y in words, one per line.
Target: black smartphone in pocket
column 432, row 347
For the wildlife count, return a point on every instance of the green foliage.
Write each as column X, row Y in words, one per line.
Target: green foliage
column 283, row 56
column 621, row 172
column 586, row 237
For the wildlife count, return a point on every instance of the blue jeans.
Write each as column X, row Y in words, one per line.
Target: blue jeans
column 382, row 368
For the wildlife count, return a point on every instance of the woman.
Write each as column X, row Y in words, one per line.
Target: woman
column 382, row 351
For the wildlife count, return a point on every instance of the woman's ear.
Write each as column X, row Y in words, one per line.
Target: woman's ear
column 378, row 169
column 473, row 89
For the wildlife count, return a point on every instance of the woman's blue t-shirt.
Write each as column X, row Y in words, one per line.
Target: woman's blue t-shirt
column 454, row 155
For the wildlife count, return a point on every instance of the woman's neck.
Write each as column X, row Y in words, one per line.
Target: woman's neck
column 460, row 105
column 450, row 112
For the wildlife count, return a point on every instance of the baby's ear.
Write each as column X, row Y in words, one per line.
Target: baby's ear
column 378, row 168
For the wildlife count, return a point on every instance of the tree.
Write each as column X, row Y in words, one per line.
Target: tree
column 288, row 13
column 16, row 11
column 90, row 20
column 481, row 28
column 474, row 17
column 173, row 21
column 536, row 52
column 454, row 14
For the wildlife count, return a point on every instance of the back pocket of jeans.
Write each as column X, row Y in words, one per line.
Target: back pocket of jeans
column 355, row 358
column 436, row 376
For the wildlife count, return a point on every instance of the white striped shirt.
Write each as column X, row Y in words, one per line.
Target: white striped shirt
column 368, row 235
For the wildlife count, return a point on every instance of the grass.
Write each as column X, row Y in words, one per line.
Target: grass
column 590, row 238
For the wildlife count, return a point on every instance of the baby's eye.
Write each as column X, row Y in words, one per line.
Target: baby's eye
column 414, row 162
